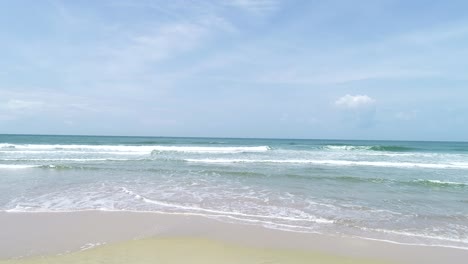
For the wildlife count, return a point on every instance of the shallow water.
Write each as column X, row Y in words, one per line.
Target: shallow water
column 407, row 192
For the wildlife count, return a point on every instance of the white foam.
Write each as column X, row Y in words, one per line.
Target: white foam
column 72, row 159
column 73, row 152
column 464, row 164
column 267, row 224
column 17, row 166
column 91, row 245
column 333, row 147
column 443, row 182
column 410, row 234
column 225, row 213
column 339, row 163
column 411, row 244
column 212, row 149
column 132, row 149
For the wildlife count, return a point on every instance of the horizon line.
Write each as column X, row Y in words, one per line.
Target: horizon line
column 220, row 137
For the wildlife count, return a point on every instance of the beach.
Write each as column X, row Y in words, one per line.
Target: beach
column 233, row 131
column 122, row 237
column 377, row 201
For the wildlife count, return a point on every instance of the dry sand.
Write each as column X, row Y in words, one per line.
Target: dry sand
column 151, row 237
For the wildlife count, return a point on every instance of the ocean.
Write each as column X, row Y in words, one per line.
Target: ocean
column 398, row 191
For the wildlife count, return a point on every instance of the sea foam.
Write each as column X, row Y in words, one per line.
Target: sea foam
column 339, row 163
column 132, row 149
column 17, row 166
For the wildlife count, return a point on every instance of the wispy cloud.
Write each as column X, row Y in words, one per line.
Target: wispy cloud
column 338, row 76
column 255, row 6
column 406, row 116
column 400, row 55
column 154, row 46
column 13, row 108
column 42, row 102
column 21, row 105
column 434, row 35
column 137, row 54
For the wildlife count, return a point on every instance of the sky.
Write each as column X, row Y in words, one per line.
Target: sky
column 365, row 69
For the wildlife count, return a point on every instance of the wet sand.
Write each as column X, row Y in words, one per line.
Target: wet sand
column 190, row 250
column 124, row 237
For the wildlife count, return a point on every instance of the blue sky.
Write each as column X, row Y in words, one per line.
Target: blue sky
column 236, row 68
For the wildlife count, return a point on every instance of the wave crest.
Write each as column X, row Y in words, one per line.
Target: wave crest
column 339, row 163
column 369, row 148
column 437, row 183
column 141, row 149
column 17, row 166
column 218, row 150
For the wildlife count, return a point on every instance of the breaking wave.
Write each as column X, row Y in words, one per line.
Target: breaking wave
column 144, row 149
column 18, row 166
column 437, row 183
column 369, row 148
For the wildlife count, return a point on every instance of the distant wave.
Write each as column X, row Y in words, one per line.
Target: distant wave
column 371, row 148
column 437, row 183
column 68, row 159
column 458, row 165
column 211, row 149
column 171, row 142
column 17, row 166
column 391, row 148
column 348, row 179
column 144, row 149
column 26, row 166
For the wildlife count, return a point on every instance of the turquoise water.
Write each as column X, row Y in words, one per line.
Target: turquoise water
column 406, row 192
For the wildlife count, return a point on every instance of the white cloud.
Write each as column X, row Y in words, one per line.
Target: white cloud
column 358, row 109
column 18, row 105
column 355, row 102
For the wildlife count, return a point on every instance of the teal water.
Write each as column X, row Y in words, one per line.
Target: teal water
column 406, row 192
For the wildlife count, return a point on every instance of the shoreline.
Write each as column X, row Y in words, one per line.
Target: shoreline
column 26, row 235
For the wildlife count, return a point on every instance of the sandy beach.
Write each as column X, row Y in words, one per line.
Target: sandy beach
column 125, row 237
column 233, row 132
